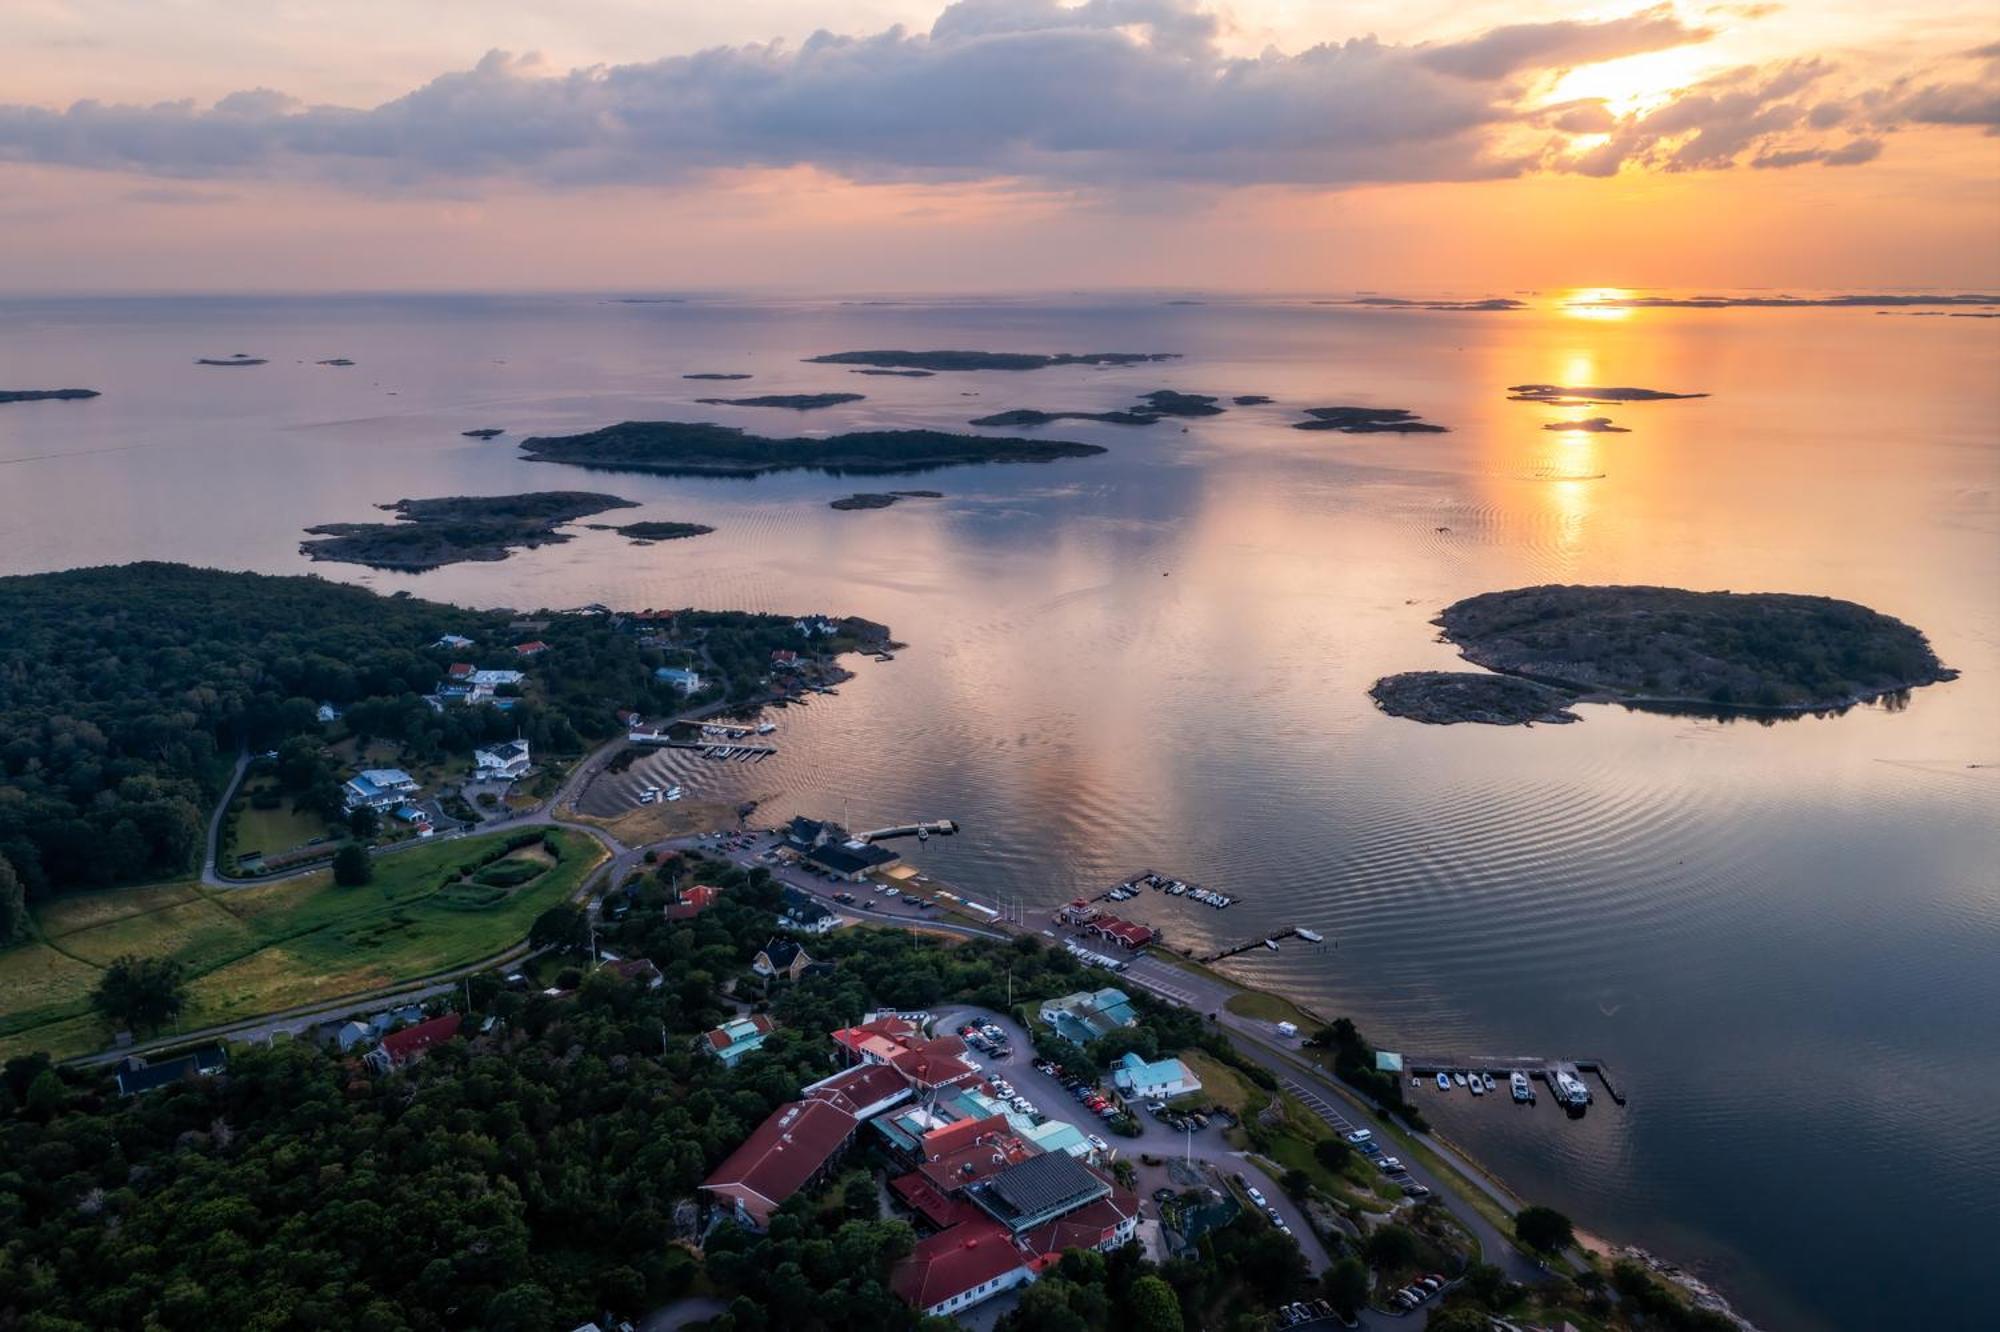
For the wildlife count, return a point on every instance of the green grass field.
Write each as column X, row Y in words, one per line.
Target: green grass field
column 258, row 950
column 273, row 831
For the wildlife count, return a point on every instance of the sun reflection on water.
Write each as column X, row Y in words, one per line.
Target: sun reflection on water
column 1591, row 303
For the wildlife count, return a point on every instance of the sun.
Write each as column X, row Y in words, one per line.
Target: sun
column 1597, row 303
column 1636, row 84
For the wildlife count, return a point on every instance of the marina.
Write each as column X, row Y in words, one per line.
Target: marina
column 1129, row 887
column 1564, row 1078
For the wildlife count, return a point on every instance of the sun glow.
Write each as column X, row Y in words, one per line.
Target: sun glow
column 1592, row 303
column 1635, row 84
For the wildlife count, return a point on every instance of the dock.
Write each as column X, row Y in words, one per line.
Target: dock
column 1268, row 942
column 1537, row 1067
column 1166, row 884
column 935, row 828
column 715, row 748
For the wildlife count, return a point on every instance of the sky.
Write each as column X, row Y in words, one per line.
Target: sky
column 1264, row 146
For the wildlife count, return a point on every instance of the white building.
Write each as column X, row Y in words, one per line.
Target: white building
column 379, row 788
column 1156, row 1080
column 680, row 677
column 501, row 763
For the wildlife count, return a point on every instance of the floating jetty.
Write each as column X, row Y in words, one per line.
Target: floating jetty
column 1129, row 887
column 920, row 831
column 1269, row 941
column 1563, row 1077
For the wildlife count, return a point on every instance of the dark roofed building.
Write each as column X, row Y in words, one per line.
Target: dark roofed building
column 804, row 834
column 851, row 861
column 1039, row 1190
column 139, row 1076
column 782, row 957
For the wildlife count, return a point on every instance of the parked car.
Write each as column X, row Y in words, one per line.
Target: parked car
column 1360, row 1135
column 1390, row 1164
column 1256, row 1195
column 1099, row 1143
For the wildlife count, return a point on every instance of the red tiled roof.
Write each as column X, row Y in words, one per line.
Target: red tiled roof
column 923, row 1197
column 720, row 1039
column 953, row 1262
column 530, row 649
column 964, row 1133
column 975, row 1157
column 1085, row 1228
column 693, row 902
column 937, row 1062
column 859, row 1087
column 407, row 1044
column 460, row 669
column 787, row 1149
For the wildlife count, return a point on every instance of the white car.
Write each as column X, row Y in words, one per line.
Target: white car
column 1256, row 1197
column 1360, row 1135
column 1390, row 1164
column 1097, row 1142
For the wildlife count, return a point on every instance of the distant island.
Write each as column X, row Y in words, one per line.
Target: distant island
column 1489, row 304
column 456, row 529
column 981, row 360
column 1594, row 425
column 689, row 448
column 865, row 500
column 647, row 533
column 1556, row 395
column 46, row 395
column 716, row 374
column 240, row 358
column 334, row 360
column 1771, row 652
column 484, row 432
column 1781, row 302
column 1444, row 697
column 1158, row 404
column 899, row 374
column 1368, row 421
column 1249, row 400
column 798, row 402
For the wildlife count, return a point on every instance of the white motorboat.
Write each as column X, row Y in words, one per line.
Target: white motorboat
column 1459, row 1078
column 1310, row 936
column 1478, row 1087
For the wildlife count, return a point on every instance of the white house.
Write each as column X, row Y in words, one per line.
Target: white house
column 327, row 713
column 681, row 678
column 453, row 641
column 1155, row 1080
column 379, row 788
column 500, row 763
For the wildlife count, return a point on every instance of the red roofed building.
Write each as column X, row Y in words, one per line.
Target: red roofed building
column 408, row 1045
column 960, row 1267
column 784, row 659
column 1103, row 1225
column 969, row 1151
column 790, row 1151
column 693, row 902
column 1124, row 933
column 938, row 1062
column 926, row 1200
column 461, row 670
column 879, row 1041
column 533, row 649
column 864, row 1091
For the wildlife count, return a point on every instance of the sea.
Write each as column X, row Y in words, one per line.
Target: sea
column 1782, row 937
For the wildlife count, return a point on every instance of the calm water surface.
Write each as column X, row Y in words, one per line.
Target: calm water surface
column 1785, row 939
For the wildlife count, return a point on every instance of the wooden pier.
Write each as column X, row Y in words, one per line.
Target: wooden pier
column 1537, row 1067
column 1263, row 941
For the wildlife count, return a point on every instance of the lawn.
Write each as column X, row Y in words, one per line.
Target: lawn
column 1270, row 1008
column 1221, row 1085
column 271, row 831
column 282, row 945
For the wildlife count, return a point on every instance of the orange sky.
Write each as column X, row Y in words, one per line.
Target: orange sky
column 1018, row 144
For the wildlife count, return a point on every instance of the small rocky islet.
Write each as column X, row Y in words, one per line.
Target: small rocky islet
column 1560, row 395
column 718, row 374
column 693, row 448
column 1589, row 425
column 1670, row 649
column 484, row 432
column 1154, row 407
column 1368, row 421
column 47, row 395
column 983, row 360
column 881, row 500
column 645, row 534
column 798, row 402
column 235, row 359
column 456, row 529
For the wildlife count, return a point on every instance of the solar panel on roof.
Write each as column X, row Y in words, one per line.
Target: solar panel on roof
column 1045, row 1183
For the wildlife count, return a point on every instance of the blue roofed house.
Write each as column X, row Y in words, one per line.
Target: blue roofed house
column 680, row 677
column 378, row 788
column 1089, row 1014
column 1155, row 1079
column 736, row 1038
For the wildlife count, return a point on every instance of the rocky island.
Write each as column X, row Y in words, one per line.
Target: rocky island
column 335, row 361
column 896, row 374
column 1558, row 395
column 645, row 534
column 1441, row 698
column 1368, row 421
column 981, row 360
column 865, row 500
column 716, row 374
column 690, row 448
column 431, row 533
column 46, row 395
column 1669, row 648
column 1589, row 425
column 1250, row 399
column 239, row 358
column 484, row 432
column 798, row 402
column 1156, row 406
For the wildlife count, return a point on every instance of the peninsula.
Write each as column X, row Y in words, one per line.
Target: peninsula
column 982, row 360
column 1155, row 406
column 865, row 500
column 46, row 395
column 690, row 448
column 798, row 402
column 1368, row 421
column 1668, row 648
column 432, row 533
column 1557, row 395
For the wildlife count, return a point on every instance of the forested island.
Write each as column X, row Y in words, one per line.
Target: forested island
column 46, row 395
column 982, row 360
column 865, row 500
column 798, row 402
column 690, row 448
column 455, row 529
column 1155, row 406
column 1770, row 652
column 1368, row 421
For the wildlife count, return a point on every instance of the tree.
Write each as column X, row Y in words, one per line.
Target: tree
column 1346, row 1285
column 13, row 904
column 1332, row 1153
column 363, row 821
column 1296, row 1182
column 1153, row 1306
column 1543, row 1229
column 561, row 927
column 1391, row 1247
column 351, row 866
column 1459, row 1318
column 142, row 993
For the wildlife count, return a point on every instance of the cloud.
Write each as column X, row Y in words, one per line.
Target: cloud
column 1562, row 45
column 1111, row 96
